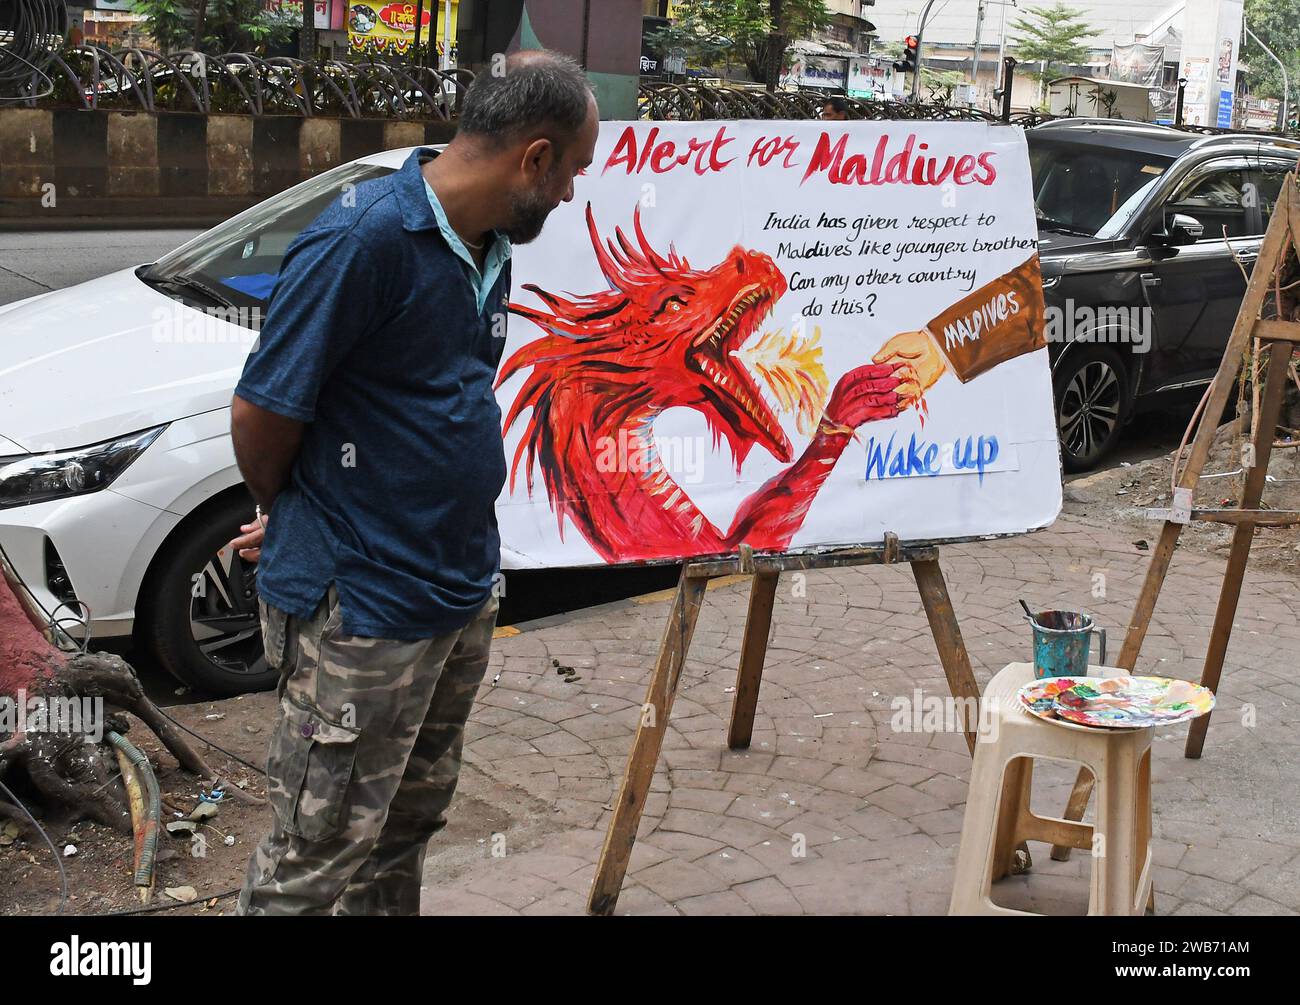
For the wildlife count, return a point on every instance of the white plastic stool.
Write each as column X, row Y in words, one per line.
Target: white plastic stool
column 997, row 807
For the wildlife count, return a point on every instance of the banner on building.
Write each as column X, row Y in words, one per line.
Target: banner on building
column 830, row 72
column 328, row 14
column 791, row 335
column 1138, row 64
column 389, row 28
column 870, row 77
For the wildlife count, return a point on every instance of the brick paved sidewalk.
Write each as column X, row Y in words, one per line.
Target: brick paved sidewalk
column 879, row 810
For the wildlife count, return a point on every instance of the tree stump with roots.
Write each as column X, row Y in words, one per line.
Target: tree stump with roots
column 71, row 772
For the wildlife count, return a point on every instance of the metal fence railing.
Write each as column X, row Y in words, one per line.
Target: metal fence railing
column 694, row 102
column 88, row 76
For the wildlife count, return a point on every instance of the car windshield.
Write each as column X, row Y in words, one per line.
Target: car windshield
column 1088, row 189
column 239, row 260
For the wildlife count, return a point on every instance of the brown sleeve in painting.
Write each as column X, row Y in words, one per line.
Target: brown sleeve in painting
column 997, row 322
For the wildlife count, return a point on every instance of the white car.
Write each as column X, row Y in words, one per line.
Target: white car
column 118, row 484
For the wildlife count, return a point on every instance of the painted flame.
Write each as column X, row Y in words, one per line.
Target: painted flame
column 791, row 367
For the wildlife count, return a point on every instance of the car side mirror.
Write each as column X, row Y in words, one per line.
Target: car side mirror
column 1180, row 229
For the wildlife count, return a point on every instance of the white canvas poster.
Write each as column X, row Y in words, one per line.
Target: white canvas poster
column 792, row 335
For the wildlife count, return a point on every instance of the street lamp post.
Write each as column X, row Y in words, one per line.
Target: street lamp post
column 446, row 35
column 1002, row 31
column 415, row 45
column 920, row 39
column 975, row 58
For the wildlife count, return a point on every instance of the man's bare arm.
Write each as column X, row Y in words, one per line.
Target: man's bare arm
column 266, row 445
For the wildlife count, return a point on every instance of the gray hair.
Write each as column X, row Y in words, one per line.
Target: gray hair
column 540, row 92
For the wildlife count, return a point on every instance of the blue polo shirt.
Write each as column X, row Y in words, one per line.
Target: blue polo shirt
column 377, row 338
column 498, row 253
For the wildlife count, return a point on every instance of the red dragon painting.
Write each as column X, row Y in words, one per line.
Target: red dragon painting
column 663, row 336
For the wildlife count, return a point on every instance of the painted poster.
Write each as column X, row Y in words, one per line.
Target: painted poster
column 792, row 335
column 1196, row 71
column 389, row 28
column 1230, row 13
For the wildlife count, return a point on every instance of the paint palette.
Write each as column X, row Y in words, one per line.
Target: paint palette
column 1116, row 702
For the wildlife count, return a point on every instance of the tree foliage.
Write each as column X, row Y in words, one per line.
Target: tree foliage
column 713, row 32
column 169, row 22
column 1054, row 35
column 1276, row 23
column 227, row 25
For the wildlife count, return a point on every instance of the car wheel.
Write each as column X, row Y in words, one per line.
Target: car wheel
column 1092, row 401
column 201, row 618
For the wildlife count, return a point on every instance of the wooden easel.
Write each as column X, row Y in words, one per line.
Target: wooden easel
column 765, row 570
column 1282, row 336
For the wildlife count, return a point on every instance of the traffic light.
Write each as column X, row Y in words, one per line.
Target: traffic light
column 908, row 63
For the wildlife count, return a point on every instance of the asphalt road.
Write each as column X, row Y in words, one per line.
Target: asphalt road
column 32, row 262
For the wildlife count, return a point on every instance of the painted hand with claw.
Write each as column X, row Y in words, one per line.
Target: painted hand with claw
column 919, row 362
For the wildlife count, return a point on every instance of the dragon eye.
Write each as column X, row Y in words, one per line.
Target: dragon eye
column 671, row 303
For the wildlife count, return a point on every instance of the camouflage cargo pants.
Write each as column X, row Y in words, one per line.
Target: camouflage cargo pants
column 363, row 762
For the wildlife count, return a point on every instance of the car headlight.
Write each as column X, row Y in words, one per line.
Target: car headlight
column 40, row 477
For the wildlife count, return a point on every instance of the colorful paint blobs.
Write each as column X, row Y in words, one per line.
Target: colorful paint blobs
column 1123, row 702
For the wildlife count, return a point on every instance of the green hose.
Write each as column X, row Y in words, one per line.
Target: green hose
column 144, row 874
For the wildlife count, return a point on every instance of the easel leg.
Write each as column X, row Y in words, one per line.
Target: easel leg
column 1229, row 595
column 758, row 627
column 647, row 744
column 1157, row 570
column 948, row 640
column 1242, row 536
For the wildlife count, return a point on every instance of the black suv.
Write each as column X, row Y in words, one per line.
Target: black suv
column 1146, row 234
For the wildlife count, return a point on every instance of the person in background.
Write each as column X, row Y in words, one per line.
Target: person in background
column 835, row 109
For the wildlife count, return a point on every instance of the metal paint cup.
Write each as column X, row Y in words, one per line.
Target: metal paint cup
column 1062, row 640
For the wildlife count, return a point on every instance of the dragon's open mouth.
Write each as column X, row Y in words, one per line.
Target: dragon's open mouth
column 735, row 392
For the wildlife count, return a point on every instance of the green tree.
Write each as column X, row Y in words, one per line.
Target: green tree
column 170, row 23
column 1051, row 36
column 1275, row 22
column 247, row 26
column 218, row 25
column 753, row 32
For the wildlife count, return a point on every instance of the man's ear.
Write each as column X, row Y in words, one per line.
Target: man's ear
column 538, row 158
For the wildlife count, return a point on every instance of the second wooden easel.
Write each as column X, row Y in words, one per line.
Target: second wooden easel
column 1280, row 335
column 765, row 570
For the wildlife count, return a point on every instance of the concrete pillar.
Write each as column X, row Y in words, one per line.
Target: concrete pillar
column 318, row 146
column 132, row 153
column 27, row 138
column 403, row 134
column 230, row 154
